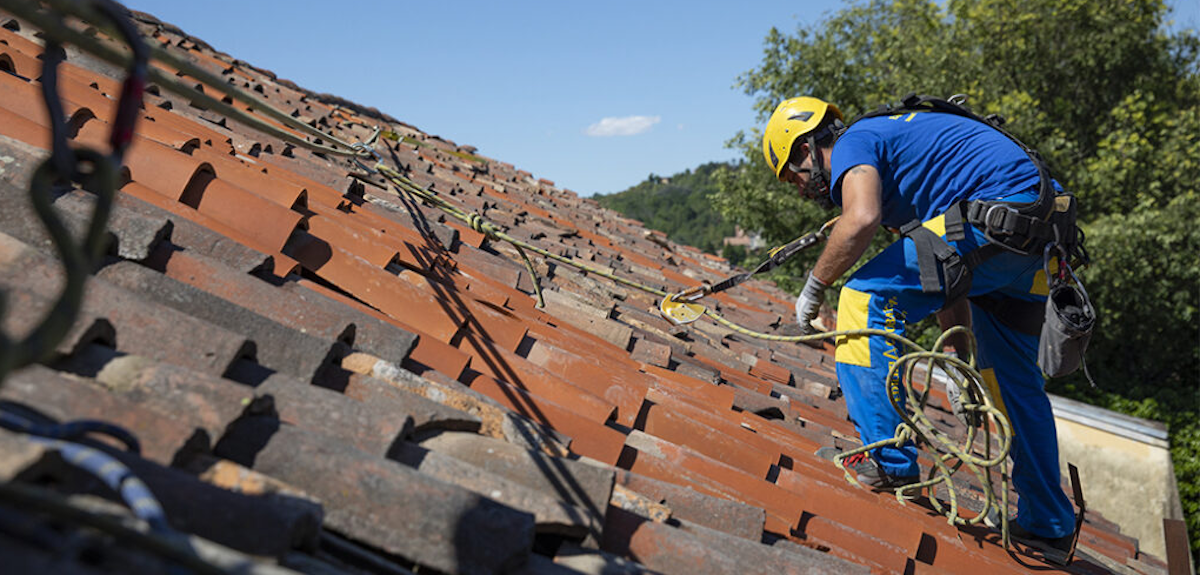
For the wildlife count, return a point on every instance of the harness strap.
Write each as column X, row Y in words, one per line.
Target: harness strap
column 935, row 253
column 1000, row 219
column 932, row 250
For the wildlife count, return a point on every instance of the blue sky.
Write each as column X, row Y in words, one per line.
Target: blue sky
column 595, row 96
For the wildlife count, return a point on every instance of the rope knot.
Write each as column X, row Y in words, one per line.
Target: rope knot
column 481, row 225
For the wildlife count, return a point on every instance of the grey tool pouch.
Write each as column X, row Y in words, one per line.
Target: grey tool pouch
column 1070, row 318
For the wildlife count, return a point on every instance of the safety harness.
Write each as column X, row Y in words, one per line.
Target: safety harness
column 1024, row 228
column 1045, row 226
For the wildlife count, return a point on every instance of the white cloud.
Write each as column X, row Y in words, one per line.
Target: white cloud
column 626, row 126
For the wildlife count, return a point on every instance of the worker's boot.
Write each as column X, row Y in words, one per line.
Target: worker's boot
column 957, row 397
column 872, row 474
column 867, row 471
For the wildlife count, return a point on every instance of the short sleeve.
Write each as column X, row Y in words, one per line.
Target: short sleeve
column 854, row 148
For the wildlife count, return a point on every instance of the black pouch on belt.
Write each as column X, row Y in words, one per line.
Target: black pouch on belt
column 1066, row 330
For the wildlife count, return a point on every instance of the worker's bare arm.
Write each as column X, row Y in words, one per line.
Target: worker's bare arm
column 861, row 212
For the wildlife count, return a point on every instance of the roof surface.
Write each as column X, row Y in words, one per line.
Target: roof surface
column 327, row 376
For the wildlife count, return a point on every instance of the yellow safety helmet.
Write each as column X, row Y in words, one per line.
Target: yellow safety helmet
column 792, row 119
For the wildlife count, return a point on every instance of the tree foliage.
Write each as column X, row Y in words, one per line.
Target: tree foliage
column 677, row 206
column 1109, row 97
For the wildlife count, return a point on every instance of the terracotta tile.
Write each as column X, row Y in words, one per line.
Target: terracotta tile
column 662, row 460
column 521, row 374
column 166, row 171
column 718, row 444
column 268, row 224
column 764, row 369
column 66, row 398
column 76, row 92
column 655, row 354
column 583, row 485
column 855, row 546
column 142, row 193
column 21, row 129
column 859, row 509
column 649, row 462
column 714, row 396
column 588, row 437
column 663, row 549
column 18, row 42
column 23, row 98
column 194, row 400
column 790, row 442
column 549, row 512
column 1127, row 545
column 384, row 504
column 206, row 135
column 22, row 64
column 277, row 347
column 96, row 133
column 190, row 235
column 376, row 287
column 742, row 379
column 480, row 263
column 493, row 324
column 229, row 169
column 430, row 353
column 318, row 193
column 344, row 233
column 623, row 387
column 497, row 296
column 724, row 515
column 398, row 223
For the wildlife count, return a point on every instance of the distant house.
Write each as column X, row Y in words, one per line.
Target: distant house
column 751, row 241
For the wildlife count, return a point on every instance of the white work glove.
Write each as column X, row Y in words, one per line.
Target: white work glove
column 809, row 303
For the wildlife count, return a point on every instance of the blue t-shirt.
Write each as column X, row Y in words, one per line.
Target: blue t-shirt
column 927, row 161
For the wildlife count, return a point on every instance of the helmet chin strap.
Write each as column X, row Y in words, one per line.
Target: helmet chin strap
column 817, row 186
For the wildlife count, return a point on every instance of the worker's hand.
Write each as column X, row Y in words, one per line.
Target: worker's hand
column 809, row 303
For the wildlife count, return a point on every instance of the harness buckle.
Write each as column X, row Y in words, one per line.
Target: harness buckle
column 996, row 218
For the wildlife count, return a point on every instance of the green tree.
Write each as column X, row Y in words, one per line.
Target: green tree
column 1110, row 98
column 677, row 206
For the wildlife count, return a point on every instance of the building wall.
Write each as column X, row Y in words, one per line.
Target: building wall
column 1131, row 481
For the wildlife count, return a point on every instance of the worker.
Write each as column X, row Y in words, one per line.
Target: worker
column 919, row 172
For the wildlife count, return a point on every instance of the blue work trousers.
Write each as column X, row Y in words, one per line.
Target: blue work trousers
column 885, row 293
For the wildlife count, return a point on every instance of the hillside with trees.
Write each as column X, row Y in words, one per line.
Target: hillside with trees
column 1111, row 98
column 677, row 206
